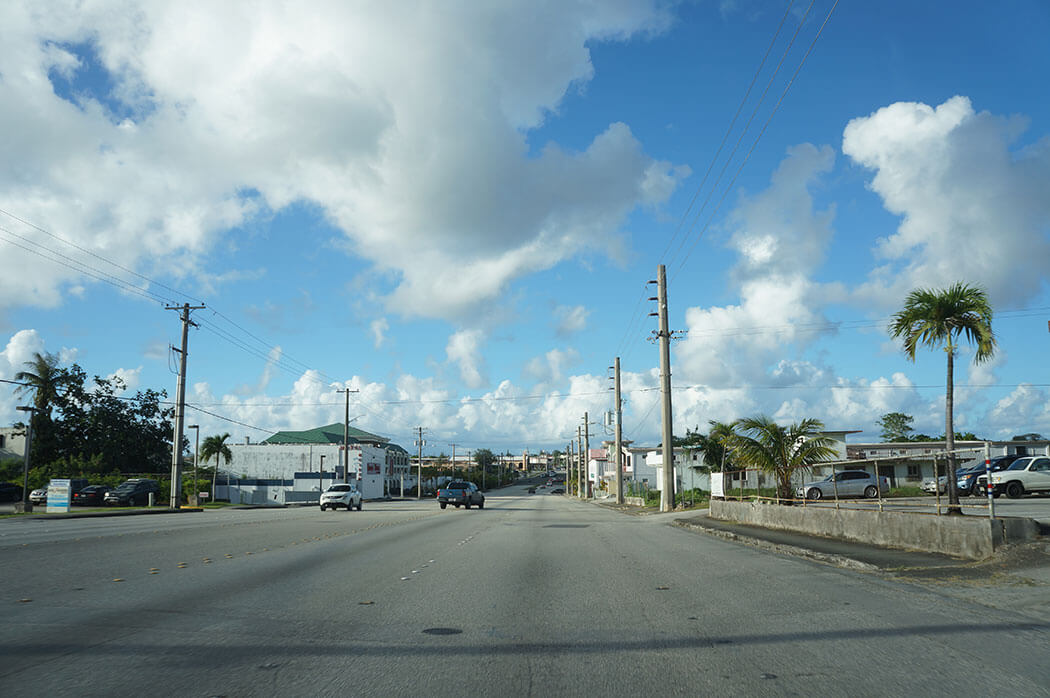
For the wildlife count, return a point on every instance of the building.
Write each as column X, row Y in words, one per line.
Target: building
column 292, row 466
column 12, row 442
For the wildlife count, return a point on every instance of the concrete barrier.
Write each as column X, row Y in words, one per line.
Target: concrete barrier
column 969, row 537
column 635, row 501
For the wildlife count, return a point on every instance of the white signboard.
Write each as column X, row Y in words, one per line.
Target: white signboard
column 718, row 485
column 58, row 494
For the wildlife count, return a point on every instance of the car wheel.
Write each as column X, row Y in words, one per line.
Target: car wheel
column 466, row 505
column 442, row 505
column 350, row 505
column 481, row 504
column 322, row 507
column 814, row 493
column 871, row 492
column 359, row 503
column 1014, row 490
column 975, row 491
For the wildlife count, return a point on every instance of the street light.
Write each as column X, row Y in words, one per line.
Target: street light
column 26, row 506
column 320, row 476
column 196, row 457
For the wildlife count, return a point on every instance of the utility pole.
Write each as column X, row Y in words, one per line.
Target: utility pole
column 180, row 403
column 587, row 455
column 619, row 431
column 570, row 465
column 453, row 460
column 346, row 435
column 419, row 463
column 196, row 451
column 664, row 335
column 580, row 462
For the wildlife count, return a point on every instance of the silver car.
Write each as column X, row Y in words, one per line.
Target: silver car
column 848, row 483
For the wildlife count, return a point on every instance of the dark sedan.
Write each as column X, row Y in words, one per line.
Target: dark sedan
column 10, row 492
column 91, row 496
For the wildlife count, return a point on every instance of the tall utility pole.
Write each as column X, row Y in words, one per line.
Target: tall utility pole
column 570, row 469
column 619, row 431
column 345, row 459
column 26, row 504
column 419, row 463
column 586, row 455
column 579, row 461
column 667, row 484
column 453, row 460
column 180, row 403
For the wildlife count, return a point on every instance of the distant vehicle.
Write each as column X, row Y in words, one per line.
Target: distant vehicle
column 1029, row 474
column 532, row 490
column 38, row 496
column 134, row 492
column 460, row 493
column 558, row 490
column 846, row 483
column 10, row 492
column 341, row 495
column 91, row 496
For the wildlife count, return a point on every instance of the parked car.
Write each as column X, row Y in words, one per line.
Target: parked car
column 847, row 483
column 10, row 492
column 133, row 492
column 968, row 479
column 341, row 495
column 38, row 496
column 1029, row 474
column 558, row 490
column 91, row 496
column 460, row 493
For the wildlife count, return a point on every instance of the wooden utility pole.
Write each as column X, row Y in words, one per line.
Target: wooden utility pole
column 180, row 404
column 619, row 431
column 587, row 456
column 664, row 334
column 419, row 464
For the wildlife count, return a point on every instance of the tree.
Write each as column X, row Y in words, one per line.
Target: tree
column 713, row 446
column 940, row 318
column 44, row 377
column 896, row 426
column 782, row 451
column 216, row 446
column 484, row 458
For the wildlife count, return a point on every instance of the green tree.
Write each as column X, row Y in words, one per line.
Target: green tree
column 781, row 451
column 940, row 318
column 896, row 426
column 713, row 446
column 45, row 378
column 215, row 446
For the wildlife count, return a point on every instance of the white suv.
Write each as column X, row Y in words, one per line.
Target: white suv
column 341, row 495
column 1024, row 475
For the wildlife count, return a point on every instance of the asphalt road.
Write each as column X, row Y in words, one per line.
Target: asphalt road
column 534, row 595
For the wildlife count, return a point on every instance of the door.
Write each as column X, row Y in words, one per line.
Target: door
column 1040, row 474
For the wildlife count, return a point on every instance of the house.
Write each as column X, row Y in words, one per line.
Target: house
column 911, row 462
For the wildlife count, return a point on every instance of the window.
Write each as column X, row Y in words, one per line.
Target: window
column 913, row 471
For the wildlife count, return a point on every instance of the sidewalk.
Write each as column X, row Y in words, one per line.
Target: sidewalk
column 1015, row 578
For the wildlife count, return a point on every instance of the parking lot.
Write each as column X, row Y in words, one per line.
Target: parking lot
column 1032, row 506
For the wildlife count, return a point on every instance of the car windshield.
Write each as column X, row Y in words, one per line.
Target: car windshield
column 340, row 488
column 456, row 486
column 1020, row 464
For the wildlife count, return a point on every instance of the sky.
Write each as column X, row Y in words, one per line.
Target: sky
column 455, row 208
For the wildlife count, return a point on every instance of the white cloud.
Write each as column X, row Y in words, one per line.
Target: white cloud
column 379, row 329
column 408, row 126
column 131, row 378
column 550, row 368
column 570, row 319
column 971, row 207
column 781, row 242
column 464, row 350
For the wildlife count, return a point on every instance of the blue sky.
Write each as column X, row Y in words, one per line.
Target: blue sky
column 454, row 208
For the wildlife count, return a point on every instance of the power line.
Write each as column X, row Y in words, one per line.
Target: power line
column 758, row 138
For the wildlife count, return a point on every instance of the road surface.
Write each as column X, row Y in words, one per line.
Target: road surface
column 536, row 595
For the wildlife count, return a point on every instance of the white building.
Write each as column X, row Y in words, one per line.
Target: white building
column 12, row 442
column 293, row 466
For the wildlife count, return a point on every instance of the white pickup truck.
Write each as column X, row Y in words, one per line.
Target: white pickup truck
column 1030, row 474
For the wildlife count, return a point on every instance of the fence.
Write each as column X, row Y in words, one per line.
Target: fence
column 739, row 488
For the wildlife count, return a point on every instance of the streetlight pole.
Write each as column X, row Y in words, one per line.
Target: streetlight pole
column 26, row 505
column 320, row 476
column 196, row 456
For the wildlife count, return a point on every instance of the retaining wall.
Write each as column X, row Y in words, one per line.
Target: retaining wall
column 969, row 537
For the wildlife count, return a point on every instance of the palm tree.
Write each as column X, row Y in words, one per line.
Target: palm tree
column 215, row 446
column 763, row 444
column 939, row 318
column 45, row 378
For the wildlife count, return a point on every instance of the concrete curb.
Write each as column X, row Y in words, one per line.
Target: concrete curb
column 825, row 558
column 118, row 512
